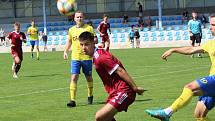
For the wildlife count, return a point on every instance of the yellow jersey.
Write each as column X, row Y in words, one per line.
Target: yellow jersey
column 209, row 47
column 33, row 31
column 73, row 34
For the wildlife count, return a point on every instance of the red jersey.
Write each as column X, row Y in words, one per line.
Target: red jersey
column 103, row 27
column 106, row 64
column 15, row 38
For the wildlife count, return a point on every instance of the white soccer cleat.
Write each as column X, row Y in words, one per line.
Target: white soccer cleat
column 15, row 76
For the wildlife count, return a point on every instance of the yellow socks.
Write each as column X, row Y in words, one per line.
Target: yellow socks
column 37, row 54
column 90, row 88
column 202, row 119
column 73, row 89
column 184, row 99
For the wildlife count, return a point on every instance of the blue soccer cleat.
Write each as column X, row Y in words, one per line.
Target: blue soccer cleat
column 160, row 114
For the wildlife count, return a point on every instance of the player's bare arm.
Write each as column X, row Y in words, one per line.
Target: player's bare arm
column 124, row 75
column 67, row 47
column 182, row 50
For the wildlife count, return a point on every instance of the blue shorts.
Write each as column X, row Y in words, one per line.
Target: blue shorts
column 207, row 84
column 208, row 101
column 34, row 42
column 85, row 64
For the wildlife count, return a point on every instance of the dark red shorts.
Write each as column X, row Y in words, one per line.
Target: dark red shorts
column 17, row 53
column 121, row 99
column 105, row 38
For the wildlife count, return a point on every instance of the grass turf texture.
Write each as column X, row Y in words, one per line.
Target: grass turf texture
column 41, row 91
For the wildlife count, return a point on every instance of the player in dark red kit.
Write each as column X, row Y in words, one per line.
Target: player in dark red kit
column 16, row 38
column 102, row 28
column 118, row 84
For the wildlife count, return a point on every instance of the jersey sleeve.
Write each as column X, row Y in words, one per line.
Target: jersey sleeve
column 108, row 64
column 206, row 46
column 92, row 31
column 9, row 35
column 23, row 35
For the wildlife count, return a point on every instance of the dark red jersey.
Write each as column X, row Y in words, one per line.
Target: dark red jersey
column 103, row 27
column 106, row 65
column 15, row 39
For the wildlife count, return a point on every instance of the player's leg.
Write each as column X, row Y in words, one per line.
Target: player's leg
column 107, row 43
column 195, row 88
column 16, row 66
column 204, row 105
column 75, row 71
column 37, row 47
column 198, row 42
column 190, row 90
column 87, row 70
column 106, row 113
column 32, row 48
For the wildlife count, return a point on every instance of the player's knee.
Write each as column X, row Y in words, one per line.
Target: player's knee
column 190, row 86
column 17, row 60
column 98, row 117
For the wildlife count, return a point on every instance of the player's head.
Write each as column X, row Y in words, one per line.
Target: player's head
column 87, row 43
column 194, row 14
column 79, row 17
column 16, row 26
column 105, row 18
column 32, row 23
column 212, row 24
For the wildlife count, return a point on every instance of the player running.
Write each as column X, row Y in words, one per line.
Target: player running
column 203, row 87
column 79, row 59
column 102, row 28
column 118, row 84
column 34, row 38
column 16, row 38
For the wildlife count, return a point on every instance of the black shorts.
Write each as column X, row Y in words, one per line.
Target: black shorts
column 196, row 38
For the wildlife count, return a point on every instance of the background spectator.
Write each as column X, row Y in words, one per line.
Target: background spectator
column 140, row 21
column 140, row 9
column 125, row 18
column 148, row 22
column 185, row 17
column 2, row 36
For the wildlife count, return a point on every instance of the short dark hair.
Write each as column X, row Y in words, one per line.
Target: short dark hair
column 86, row 36
column 16, row 24
column 212, row 15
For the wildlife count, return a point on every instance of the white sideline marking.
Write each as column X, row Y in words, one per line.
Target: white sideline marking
column 37, row 92
column 57, row 89
column 168, row 72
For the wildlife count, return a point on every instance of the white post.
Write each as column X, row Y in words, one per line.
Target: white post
column 159, row 14
column 44, row 17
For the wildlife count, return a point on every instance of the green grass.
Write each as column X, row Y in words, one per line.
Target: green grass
column 41, row 92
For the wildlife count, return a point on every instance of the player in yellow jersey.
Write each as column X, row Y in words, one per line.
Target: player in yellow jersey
column 34, row 38
column 203, row 87
column 79, row 59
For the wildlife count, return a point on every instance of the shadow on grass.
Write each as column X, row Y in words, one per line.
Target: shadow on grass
column 102, row 102
column 42, row 75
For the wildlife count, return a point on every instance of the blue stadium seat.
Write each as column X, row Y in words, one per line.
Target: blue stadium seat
column 145, row 35
column 178, row 38
column 185, row 33
column 115, row 40
column 122, row 35
column 169, row 33
column 50, row 38
column 163, row 18
column 176, row 28
column 123, row 39
column 118, row 20
column 179, row 17
column 154, row 18
column 111, row 20
column 119, row 25
column 186, row 38
column 56, row 43
column 153, row 34
column 56, row 38
column 63, row 42
column 170, row 38
column 171, row 18
column 49, row 42
column 161, row 34
column 146, row 29
column 133, row 19
column 146, row 39
column 162, row 38
column 184, row 28
column 211, row 37
column 153, row 29
column 154, row 38
column 114, row 36
column 50, row 33
column 169, row 28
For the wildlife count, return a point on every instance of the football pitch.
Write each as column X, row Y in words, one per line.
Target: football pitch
column 41, row 92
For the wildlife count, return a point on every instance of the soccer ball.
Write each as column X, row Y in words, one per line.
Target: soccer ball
column 67, row 7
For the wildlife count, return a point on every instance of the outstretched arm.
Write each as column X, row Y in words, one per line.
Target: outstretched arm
column 124, row 75
column 182, row 50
